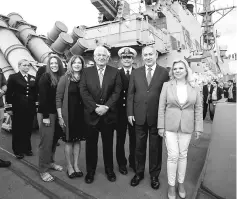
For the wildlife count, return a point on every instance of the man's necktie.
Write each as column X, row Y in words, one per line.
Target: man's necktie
column 26, row 77
column 101, row 76
column 127, row 74
column 148, row 77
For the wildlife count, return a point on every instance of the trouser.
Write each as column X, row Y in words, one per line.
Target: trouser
column 1, row 118
column 107, row 132
column 48, row 142
column 155, row 149
column 205, row 106
column 120, row 141
column 177, row 148
column 22, row 124
column 212, row 108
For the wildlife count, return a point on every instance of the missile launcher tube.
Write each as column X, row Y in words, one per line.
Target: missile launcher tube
column 12, row 48
column 56, row 30
column 5, row 66
column 62, row 43
column 35, row 44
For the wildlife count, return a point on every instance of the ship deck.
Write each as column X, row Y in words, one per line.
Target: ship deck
column 21, row 180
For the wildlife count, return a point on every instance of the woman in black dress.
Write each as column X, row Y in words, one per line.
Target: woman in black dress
column 70, row 113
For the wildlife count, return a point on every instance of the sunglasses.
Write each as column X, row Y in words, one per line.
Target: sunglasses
column 126, row 57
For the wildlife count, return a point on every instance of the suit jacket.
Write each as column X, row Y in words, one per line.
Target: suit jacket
column 122, row 102
column 92, row 94
column 172, row 116
column 143, row 100
column 20, row 93
column 219, row 93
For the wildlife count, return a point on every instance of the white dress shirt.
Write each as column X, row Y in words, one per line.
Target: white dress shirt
column 25, row 76
column 152, row 71
column 182, row 93
column 103, row 71
column 129, row 69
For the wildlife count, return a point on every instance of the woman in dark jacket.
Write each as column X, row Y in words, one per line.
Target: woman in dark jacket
column 47, row 117
column 70, row 113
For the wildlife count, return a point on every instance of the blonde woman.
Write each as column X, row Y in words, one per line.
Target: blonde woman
column 70, row 113
column 179, row 116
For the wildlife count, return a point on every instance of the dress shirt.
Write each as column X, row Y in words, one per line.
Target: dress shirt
column 230, row 93
column 214, row 94
column 182, row 93
column 25, row 76
column 152, row 71
column 129, row 69
column 103, row 71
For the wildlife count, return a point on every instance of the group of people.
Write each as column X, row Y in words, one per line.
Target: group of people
column 215, row 90
column 86, row 101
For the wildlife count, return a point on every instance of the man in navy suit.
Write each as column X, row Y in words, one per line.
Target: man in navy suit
column 127, row 56
column 21, row 93
column 142, row 108
column 100, row 87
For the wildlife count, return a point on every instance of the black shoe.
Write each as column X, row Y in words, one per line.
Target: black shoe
column 110, row 175
column 89, row 177
column 29, row 153
column 19, row 155
column 79, row 174
column 123, row 170
column 72, row 175
column 136, row 180
column 4, row 164
column 155, row 184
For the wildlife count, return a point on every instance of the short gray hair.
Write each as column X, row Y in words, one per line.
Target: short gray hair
column 98, row 48
column 22, row 61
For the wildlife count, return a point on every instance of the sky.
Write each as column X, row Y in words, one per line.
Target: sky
column 44, row 13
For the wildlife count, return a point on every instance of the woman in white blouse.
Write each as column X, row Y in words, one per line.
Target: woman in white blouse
column 179, row 115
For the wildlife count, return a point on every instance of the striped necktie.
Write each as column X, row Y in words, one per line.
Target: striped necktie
column 101, row 76
column 148, row 77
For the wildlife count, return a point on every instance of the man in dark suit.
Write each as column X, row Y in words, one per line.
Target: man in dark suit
column 127, row 56
column 21, row 93
column 206, row 97
column 142, row 108
column 100, row 87
column 231, row 91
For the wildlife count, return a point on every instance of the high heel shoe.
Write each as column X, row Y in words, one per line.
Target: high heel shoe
column 79, row 174
column 182, row 195
column 72, row 175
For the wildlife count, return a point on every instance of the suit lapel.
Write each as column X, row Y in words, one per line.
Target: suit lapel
column 143, row 73
column 95, row 76
column 156, row 75
column 21, row 76
column 174, row 91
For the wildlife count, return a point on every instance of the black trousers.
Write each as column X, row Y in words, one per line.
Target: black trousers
column 205, row 106
column 22, row 124
column 107, row 132
column 155, row 149
column 120, row 141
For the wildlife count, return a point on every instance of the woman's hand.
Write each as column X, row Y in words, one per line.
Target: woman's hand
column 61, row 122
column 161, row 132
column 46, row 122
column 197, row 135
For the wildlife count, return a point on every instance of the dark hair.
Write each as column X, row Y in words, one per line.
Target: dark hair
column 54, row 76
column 216, row 82
column 69, row 65
column 230, row 81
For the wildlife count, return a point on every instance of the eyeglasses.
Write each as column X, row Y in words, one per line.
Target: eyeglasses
column 127, row 57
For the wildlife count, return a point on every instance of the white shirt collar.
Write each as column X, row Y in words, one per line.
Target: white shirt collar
column 98, row 68
column 153, row 67
column 129, row 69
column 26, row 74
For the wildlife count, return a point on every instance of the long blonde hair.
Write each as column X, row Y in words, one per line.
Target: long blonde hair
column 70, row 72
column 186, row 65
column 54, row 76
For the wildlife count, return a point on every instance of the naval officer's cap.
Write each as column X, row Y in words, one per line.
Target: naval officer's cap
column 127, row 52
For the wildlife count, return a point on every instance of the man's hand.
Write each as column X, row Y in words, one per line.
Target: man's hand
column 131, row 119
column 46, row 122
column 161, row 132
column 101, row 109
